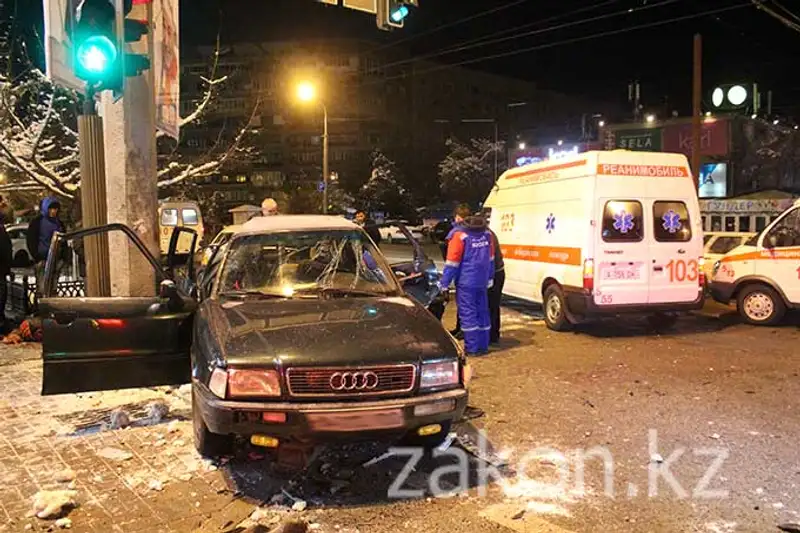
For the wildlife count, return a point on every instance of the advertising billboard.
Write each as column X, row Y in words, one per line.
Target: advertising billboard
column 166, row 59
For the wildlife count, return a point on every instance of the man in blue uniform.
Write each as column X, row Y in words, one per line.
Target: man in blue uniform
column 470, row 264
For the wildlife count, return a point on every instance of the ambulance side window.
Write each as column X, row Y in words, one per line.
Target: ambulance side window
column 623, row 221
column 787, row 231
column 671, row 222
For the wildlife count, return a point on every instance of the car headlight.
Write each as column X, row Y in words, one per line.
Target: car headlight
column 244, row 383
column 439, row 374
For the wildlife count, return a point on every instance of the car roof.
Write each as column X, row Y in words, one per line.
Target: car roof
column 294, row 222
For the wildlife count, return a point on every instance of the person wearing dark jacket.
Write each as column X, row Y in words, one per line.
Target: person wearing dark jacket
column 496, row 290
column 369, row 226
column 6, row 254
column 40, row 233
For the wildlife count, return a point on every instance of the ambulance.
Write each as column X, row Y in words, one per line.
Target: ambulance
column 601, row 233
column 763, row 275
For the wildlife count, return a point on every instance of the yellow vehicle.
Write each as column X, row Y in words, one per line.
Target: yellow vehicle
column 174, row 214
column 222, row 237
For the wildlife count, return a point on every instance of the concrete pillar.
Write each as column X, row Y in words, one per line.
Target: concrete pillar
column 132, row 192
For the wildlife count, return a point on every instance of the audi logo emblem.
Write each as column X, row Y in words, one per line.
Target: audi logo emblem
column 349, row 381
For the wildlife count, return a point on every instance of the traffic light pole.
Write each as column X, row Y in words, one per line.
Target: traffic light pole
column 93, row 197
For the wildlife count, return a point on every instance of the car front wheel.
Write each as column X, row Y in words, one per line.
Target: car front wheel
column 761, row 305
column 208, row 444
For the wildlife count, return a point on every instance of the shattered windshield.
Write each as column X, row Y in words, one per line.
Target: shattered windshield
column 306, row 264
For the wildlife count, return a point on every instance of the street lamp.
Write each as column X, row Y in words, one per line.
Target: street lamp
column 650, row 119
column 307, row 92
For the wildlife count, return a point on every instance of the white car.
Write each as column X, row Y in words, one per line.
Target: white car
column 718, row 243
column 19, row 246
column 391, row 232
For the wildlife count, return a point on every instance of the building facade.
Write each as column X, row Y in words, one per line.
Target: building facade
column 376, row 98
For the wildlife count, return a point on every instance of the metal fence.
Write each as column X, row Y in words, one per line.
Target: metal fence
column 22, row 297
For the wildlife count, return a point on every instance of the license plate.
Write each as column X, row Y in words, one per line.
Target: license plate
column 620, row 273
column 356, row 421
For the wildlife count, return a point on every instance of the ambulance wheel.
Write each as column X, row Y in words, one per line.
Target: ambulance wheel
column 555, row 309
column 760, row 305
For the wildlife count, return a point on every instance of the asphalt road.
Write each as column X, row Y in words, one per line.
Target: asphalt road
column 698, row 426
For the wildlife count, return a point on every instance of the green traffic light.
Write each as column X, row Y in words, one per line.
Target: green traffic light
column 97, row 54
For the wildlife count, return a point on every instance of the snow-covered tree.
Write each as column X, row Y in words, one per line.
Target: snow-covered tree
column 467, row 173
column 39, row 139
column 385, row 189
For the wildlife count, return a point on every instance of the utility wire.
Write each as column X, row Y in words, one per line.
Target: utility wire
column 768, row 10
column 787, row 10
column 451, row 24
column 481, row 43
column 568, row 41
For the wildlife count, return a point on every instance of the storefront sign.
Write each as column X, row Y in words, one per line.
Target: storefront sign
column 537, row 154
column 746, row 206
column 642, row 140
column 713, row 181
column 713, row 138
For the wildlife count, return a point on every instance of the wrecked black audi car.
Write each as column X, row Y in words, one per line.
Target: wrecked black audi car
column 296, row 332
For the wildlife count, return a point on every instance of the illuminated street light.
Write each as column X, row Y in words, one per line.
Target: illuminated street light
column 650, row 119
column 521, row 146
column 602, row 123
column 560, row 142
column 776, row 121
column 307, row 92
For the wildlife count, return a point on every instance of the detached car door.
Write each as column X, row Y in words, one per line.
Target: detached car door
column 101, row 343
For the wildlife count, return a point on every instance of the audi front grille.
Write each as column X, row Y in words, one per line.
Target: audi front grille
column 351, row 381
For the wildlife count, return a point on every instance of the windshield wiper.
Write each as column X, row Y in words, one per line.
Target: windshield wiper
column 339, row 291
column 254, row 294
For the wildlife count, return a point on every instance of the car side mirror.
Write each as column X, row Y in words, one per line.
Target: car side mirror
column 168, row 294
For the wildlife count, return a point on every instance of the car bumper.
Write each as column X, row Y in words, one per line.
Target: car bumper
column 308, row 420
column 722, row 292
column 580, row 302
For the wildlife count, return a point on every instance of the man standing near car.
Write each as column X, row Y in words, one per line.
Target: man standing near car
column 40, row 233
column 470, row 264
column 459, row 215
column 369, row 227
column 496, row 290
column 6, row 254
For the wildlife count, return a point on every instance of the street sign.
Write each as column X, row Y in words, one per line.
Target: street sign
column 166, row 59
column 59, row 20
column 369, row 6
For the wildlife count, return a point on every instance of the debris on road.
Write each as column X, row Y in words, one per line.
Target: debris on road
column 52, row 503
column 64, row 523
column 447, row 442
column 172, row 427
column 715, row 436
column 119, row 419
column 790, row 527
column 376, row 460
column 65, row 476
column 114, row 454
column 656, row 458
column 156, row 485
column 157, row 411
column 299, row 506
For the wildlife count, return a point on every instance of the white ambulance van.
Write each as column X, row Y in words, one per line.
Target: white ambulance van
column 601, row 233
column 763, row 275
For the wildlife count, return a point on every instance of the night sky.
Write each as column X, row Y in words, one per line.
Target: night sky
column 742, row 44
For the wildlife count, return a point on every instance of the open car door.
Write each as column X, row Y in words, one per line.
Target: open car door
column 104, row 343
column 419, row 276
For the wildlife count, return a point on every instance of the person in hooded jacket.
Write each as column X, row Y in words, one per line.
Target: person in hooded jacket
column 470, row 264
column 40, row 233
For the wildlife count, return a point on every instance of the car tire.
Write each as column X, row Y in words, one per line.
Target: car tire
column 760, row 305
column 429, row 442
column 208, row 444
column 555, row 309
